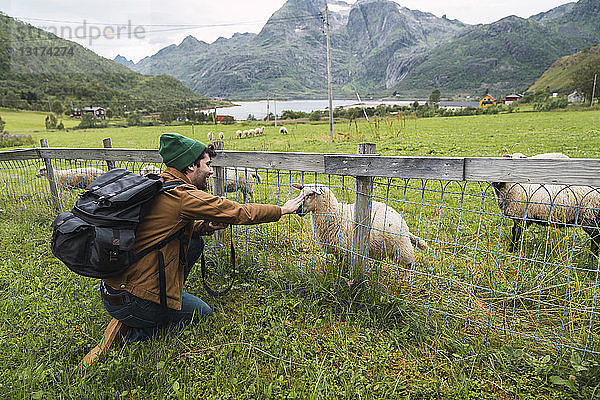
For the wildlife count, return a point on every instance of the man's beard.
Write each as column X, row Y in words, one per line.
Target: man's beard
column 199, row 180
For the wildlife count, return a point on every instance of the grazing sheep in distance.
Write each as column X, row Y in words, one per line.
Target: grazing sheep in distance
column 221, row 135
column 238, row 134
column 283, row 130
column 241, row 179
column 245, row 133
column 262, row 130
column 210, row 136
column 150, row 171
column 72, row 178
column 555, row 205
column 333, row 225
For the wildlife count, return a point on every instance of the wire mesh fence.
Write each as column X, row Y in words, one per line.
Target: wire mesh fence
column 511, row 262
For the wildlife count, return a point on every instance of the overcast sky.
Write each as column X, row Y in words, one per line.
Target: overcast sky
column 146, row 26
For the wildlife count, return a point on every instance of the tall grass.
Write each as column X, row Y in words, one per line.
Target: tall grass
column 459, row 323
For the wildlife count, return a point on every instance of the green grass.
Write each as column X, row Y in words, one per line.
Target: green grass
column 28, row 121
column 288, row 332
column 576, row 134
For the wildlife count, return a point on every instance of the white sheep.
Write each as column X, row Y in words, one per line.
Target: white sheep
column 221, row 135
column 245, row 133
column 333, row 225
column 150, row 171
column 72, row 178
column 241, row 179
column 210, row 136
column 262, row 130
column 555, row 205
column 283, row 130
column 238, row 134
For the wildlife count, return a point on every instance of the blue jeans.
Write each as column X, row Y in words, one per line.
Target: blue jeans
column 145, row 318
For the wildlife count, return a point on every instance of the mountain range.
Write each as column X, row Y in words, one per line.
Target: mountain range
column 378, row 47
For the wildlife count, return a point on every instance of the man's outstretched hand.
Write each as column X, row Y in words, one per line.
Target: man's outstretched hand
column 292, row 205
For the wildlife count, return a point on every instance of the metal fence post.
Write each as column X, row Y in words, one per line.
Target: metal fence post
column 108, row 145
column 51, row 180
column 362, row 216
column 219, row 190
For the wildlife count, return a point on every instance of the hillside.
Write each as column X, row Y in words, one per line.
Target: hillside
column 493, row 56
column 379, row 48
column 558, row 78
column 37, row 67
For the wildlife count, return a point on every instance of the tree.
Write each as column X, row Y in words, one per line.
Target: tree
column 134, row 119
column 57, row 107
column 51, row 121
column 2, row 123
column 315, row 115
column 434, row 97
column 583, row 78
column 88, row 121
column 167, row 116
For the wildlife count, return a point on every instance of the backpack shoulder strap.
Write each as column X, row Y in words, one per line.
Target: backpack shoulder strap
column 171, row 185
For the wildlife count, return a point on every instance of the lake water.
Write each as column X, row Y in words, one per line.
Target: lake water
column 258, row 109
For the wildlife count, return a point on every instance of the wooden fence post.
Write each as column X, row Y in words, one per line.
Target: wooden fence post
column 362, row 217
column 219, row 190
column 108, row 145
column 51, row 181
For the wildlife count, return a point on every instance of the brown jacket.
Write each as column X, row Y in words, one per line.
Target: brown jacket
column 182, row 207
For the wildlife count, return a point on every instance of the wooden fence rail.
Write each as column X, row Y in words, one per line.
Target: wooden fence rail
column 578, row 171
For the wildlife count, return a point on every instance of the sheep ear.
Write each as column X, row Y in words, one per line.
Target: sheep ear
column 297, row 186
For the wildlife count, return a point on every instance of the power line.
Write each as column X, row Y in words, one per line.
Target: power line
column 172, row 28
column 295, row 17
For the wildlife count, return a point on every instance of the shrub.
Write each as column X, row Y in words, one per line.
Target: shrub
column 14, row 139
column 552, row 103
column 90, row 121
column 315, row 116
column 227, row 120
column 134, row 119
column 2, row 123
column 51, row 121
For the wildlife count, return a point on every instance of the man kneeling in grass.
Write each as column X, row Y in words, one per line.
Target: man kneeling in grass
column 133, row 298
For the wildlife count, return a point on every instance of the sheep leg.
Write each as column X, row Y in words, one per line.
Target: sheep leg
column 517, row 230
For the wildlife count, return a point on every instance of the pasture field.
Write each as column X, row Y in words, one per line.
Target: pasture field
column 576, row 134
column 286, row 333
column 18, row 121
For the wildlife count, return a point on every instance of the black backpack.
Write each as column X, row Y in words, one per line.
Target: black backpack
column 96, row 237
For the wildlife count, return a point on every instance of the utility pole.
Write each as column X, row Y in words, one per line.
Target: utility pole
column 329, row 83
column 268, row 119
column 275, row 108
column 594, row 90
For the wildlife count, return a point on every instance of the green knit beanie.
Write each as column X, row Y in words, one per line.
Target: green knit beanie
column 179, row 151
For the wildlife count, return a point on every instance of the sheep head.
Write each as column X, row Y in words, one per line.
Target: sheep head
column 310, row 193
column 43, row 171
